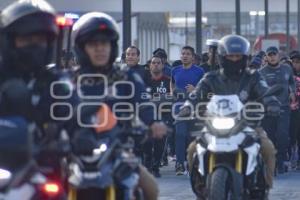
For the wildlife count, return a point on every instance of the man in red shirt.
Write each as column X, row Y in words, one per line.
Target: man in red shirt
column 158, row 87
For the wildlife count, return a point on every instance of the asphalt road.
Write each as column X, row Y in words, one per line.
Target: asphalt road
column 172, row 187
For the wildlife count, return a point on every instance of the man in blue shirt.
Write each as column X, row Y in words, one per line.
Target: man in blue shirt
column 184, row 78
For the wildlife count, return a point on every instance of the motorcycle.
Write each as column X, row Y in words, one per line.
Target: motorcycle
column 102, row 164
column 227, row 163
column 20, row 177
column 50, row 154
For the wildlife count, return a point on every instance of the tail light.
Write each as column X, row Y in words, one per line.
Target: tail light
column 51, row 188
column 63, row 21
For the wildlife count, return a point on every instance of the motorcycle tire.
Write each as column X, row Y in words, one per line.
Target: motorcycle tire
column 219, row 188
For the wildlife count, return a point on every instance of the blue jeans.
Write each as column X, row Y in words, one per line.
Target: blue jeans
column 277, row 129
column 181, row 139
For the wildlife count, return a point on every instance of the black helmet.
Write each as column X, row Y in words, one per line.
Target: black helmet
column 93, row 26
column 233, row 45
column 26, row 17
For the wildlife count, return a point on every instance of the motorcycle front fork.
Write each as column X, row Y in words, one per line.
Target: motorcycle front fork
column 238, row 162
column 110, row 193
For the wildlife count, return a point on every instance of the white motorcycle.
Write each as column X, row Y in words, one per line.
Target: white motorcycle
column 227, row 163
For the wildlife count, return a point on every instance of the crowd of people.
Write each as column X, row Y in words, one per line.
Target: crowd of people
column 179, row 78
column 185, row 73
column 27, row 44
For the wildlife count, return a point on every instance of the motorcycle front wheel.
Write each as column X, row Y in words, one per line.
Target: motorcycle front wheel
column 220, row 185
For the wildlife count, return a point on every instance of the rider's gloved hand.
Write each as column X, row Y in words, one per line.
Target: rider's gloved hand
column 273, row 110
column 83, row 142
column 256, row 61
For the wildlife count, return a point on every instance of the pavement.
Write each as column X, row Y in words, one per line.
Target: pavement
column 172, row 187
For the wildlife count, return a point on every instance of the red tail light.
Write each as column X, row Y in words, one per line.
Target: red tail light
column 64, row 21
column 51, row 188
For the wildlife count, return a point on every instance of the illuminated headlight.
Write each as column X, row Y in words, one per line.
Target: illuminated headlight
column 223, row 123
column 4, row 174
column 5, row 177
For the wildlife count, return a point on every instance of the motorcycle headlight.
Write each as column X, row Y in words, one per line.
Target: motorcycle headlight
column 4, row 174
column 223, row 123
column 5, row 177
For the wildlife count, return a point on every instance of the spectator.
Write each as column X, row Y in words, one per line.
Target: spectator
column 164, row 57
column 205, row 58
column 212, row 62
column 159, row 86
column 176, row 63
column 295, row 112
column 285, row 60
column 183, row 81
column 132, row 58
column 278, row 127
column 197, row 60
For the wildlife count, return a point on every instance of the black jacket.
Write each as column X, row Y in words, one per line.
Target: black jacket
column 114, row 74
column 38, row 97
column 248, row 87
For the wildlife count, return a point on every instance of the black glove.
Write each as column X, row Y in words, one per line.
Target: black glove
column 84, row 142
column 273, row 110
column 256, row 62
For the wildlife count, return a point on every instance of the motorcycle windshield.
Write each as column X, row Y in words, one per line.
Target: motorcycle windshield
column 224, row 105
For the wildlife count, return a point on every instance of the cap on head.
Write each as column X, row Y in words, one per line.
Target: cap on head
column 272, row 49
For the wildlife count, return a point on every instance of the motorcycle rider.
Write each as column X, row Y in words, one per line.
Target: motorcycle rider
column 28, row 33
column 95, row 42
column 235, row 78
